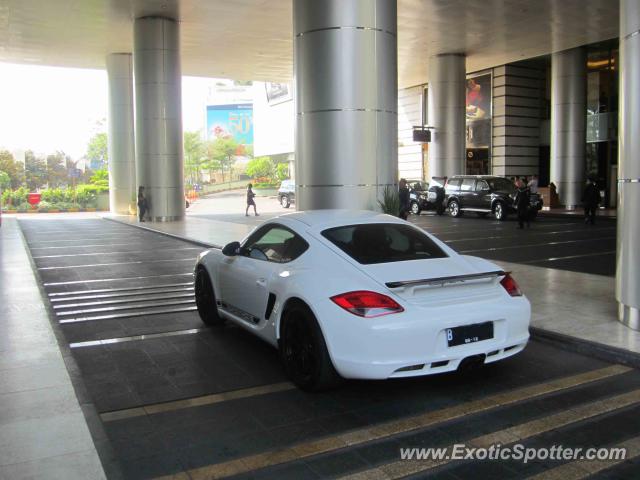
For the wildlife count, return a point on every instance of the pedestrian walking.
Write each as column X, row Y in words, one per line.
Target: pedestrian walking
column 143, row 205
column 403, row 194
column 250, row 201
column 590, row 201
column 521, row 204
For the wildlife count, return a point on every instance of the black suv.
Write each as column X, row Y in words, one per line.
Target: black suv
column 423, row 197
column 485, row 194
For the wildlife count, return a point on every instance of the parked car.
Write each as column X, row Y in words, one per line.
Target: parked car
column 359, row 294
column 425, row 197
column 287, row 193
column 484, row 195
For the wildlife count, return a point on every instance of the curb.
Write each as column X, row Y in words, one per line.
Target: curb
column 587, row 347
column 71, row 210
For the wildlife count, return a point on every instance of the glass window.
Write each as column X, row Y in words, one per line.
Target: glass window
column 383, row 243
column 454, row 184
column 501, row 185
column 481, row 185
column 467, row 184
column 274, row 243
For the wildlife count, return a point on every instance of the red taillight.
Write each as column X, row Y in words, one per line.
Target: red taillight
column 367, row 304
column 511, row 286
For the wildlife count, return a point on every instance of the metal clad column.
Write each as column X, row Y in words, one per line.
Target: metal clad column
column 346, row 93
column 628, row 258
column 121, row 148
column 446, row 107
column 159, row 156
column 568, row 119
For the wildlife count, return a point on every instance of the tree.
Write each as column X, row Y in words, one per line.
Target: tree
column 97, row 154
column 35, row 171
column 5, row 180
column 261, row 167
column 224, row 151
column 13, row 169
column 194, row 156
column 57, row 173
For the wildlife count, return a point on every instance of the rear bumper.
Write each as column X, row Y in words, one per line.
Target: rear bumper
column 414, row 343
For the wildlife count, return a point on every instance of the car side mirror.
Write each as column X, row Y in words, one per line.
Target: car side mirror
column 231, row 249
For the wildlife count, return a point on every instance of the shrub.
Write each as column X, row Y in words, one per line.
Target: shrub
column 390, row 202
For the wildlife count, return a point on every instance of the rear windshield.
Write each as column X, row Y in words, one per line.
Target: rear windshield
column 383, row 243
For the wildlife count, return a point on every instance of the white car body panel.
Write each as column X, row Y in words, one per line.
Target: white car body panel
column 372, row 348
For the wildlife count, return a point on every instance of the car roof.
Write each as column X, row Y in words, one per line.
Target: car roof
column 335, row 217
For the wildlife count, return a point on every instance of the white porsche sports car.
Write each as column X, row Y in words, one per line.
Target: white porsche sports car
column 358, row 294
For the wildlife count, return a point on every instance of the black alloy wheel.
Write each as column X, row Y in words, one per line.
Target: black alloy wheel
column 415, row 208
column 303, row 351
column 206, row 299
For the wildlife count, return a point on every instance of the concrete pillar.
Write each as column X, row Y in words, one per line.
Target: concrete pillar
column 568, row 119
column 121, row 147
column 346, row 96
column 628, row 255
column 159, row 156
column 446, row 113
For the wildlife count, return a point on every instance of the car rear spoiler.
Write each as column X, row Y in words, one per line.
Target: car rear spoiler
column 445, row 280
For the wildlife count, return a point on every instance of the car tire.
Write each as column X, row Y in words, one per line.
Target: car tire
column 415, row 208
column 454, row 208
column 500, row 211
column 303, row 351
column 206, row 299
column 284, row 201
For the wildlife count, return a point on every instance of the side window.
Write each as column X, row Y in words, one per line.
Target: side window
column 275, row 243
column 454, row 184
column 467, row 184
column 481, row 185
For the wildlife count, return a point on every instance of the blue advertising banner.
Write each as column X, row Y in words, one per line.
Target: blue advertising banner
column 235, row 120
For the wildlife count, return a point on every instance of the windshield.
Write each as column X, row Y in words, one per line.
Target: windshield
column 383, row 243
column 501, row 184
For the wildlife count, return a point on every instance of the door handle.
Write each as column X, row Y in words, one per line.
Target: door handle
column 261, row 282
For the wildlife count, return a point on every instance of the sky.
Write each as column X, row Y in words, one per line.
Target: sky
column 46, row 109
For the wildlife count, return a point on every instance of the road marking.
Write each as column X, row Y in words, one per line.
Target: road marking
column 143, row 313
column 492, row 249
column 120, row 279
column 139, row 262
column 585, row 468
column 196, row 401
column 403, row 425
column 517, row 433
column 530, row 234
column 155, row 251
column 123, row 289
column 134, row 338
column 130, row 306
column 569, row 257
column 87, row 246
column 168, row 295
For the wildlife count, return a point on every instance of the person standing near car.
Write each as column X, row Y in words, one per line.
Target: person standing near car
column 533, row 184
column 521, row 204
column 250, row 201
column 590, row 200
column 143, row 206
column 403, row 194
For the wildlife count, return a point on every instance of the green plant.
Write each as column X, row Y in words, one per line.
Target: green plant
column 390, row 203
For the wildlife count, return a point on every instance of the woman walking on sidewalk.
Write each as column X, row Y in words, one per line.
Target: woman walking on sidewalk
column 250, row 201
